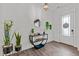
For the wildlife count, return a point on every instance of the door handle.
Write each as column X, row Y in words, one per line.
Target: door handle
column 72, row 30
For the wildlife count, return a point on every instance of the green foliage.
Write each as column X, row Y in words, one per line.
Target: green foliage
column 7, row 26
column 6, row 41
column 18, row 39
column 48, row 25
column 32, row 30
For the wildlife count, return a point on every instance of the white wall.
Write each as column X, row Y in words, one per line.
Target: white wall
column 23, row 16
column 56, row 13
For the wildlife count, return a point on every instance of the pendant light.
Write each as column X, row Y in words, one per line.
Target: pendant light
column 45, row 7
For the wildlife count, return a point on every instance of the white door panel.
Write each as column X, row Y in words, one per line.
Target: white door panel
column 66, row 31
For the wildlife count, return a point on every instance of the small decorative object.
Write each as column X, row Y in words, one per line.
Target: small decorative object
column 37, row 23
column 18, row 42
column 65, row 25
column 44, row 32
column 8, row 46
column 32, row 30
column 48, row 25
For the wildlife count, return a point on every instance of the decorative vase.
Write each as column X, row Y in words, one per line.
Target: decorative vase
column 7, row 48
column 18, row 48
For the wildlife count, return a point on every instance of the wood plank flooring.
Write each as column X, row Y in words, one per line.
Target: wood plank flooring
column 51, row 49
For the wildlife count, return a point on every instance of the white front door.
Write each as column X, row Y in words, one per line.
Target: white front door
column 67, row 26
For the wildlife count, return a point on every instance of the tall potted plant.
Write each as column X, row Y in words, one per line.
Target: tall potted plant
column 8, row 46
column 18, row 42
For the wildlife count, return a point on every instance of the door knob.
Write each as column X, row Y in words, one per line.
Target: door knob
column 72, row 30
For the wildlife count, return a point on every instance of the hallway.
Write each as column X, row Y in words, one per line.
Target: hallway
column 51, row 49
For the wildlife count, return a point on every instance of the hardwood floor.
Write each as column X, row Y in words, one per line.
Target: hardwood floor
column 50, row 49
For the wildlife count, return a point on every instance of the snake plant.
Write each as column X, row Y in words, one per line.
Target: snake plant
column 18, row 39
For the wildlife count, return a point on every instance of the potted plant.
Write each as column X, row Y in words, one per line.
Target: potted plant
column 32, row 31
column 8, row 46
column 18, row 42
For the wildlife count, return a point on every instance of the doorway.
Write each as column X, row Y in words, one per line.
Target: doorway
column 67, row 26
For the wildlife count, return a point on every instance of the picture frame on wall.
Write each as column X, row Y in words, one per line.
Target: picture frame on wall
column 37, row 23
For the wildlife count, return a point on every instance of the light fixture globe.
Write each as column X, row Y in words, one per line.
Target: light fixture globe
column 45, row 7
